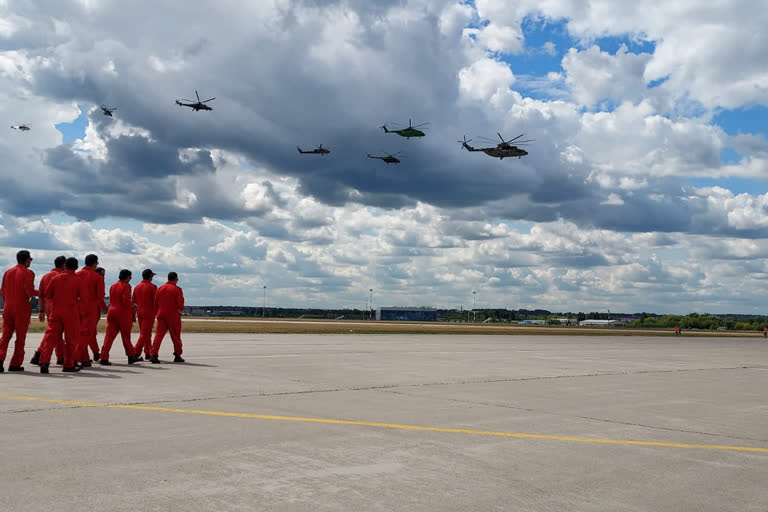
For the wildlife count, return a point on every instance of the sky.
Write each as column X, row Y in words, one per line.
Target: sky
column 645, row 189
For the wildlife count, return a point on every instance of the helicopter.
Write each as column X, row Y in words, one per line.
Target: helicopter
column 409, row 132
column 198, row 105
column 501, row 151
column 22, row 127
column 320, row 150
column 389, row 159
column 107, row 111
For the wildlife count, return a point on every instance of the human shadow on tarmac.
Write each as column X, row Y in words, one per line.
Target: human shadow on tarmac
column 193, row 364
column 46, row 375
column 94, row 375
column 113, row 370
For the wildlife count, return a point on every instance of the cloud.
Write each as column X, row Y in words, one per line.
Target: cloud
column 600, row 211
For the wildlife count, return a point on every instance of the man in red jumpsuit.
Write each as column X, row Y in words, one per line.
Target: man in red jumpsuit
column 90, row 310
column 45, row 309
column 119, row 318
column 144, row 303
column 17, row 288
column 169, row 302
column 65, row 291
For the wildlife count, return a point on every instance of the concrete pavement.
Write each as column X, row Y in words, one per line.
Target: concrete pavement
column 232, row 429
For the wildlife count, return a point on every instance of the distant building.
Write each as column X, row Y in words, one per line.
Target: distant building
column 532, row 322
column 601, row 323
column 405, row 314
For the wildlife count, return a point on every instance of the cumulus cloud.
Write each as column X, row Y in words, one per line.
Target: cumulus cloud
column 599, row 211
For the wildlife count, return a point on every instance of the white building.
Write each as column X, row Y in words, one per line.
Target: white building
column 601, row 323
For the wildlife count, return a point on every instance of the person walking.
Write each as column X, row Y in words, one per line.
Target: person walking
column 144, row 305
column 18, row 287
column 169, row 303
column 44, row 308
column 64, row 293
column 90, row 310
column 119, row 318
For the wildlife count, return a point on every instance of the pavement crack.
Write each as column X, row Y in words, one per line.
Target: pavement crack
column 589, row 418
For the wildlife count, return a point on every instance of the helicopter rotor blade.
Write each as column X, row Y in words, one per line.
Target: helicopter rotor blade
column 198, row 96
column 487, row 139
column 184, row 99
column 420, row 125
column 511, row 140
column 502, row 138
column 206, row 101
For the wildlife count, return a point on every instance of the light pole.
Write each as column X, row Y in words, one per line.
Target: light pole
column 370, row 312
column 474, row 313
column 264, row 306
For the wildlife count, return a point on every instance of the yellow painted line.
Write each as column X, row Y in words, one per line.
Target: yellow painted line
column 393, row 425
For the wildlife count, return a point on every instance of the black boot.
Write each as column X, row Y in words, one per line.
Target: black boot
column 86, row 364
column 105, row 362
column 71, row 369
column 1, row 367
column 44, row 368
column 97, row 356
column 133, row 359
column 154, row 360
column 60, row 362
column 177, row 359
column 35, row 358
column 15, row 368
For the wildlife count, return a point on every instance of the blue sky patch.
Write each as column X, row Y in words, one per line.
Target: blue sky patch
column 743, row 120
column 74, row 130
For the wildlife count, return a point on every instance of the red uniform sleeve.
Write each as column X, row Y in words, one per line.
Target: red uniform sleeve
column 82, row 289
column 180, row 300
column 29, row 284
column 2, row 287
column 134, row 302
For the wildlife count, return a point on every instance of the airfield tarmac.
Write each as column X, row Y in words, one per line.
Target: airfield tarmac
column 429, row 422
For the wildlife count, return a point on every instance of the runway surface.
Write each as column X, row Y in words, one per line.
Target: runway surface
column 396, row 422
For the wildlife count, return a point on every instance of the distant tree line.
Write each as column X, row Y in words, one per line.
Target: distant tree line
column 502, row 315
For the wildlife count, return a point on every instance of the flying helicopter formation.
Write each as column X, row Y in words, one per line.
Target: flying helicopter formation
column 505, row 149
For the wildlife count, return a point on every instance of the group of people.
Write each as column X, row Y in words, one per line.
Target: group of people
column 72, row 302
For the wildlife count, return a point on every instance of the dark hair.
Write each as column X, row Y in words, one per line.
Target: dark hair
column 22, row 257
column 71, row 264
column 101, row 271
column 91, row 259
column 173, row 276
column 125, row 273
column 59, row 261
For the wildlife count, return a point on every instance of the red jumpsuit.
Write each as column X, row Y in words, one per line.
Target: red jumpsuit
column 17, row 288
column 144, row 299
column 64, row 293
column 169, row 302
column 119, row 319
column 90, row 312
column 44, row 281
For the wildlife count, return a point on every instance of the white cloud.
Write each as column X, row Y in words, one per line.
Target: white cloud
column 596, row 76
